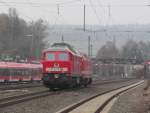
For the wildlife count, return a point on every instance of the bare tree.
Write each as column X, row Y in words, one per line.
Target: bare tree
column 13, row 32
column 38, row 31
column 131, row 50
column 109, row 50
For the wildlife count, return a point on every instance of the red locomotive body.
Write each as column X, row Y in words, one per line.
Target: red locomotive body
column 17, row 72
column 64, row 66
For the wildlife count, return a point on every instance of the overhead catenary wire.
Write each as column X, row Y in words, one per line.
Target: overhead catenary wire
column 30, row 4
column 9, row 6
column 4, row 3
column 34, row 4
column 103, row 8
column 53, row 13
column 57, row 12
column 98, row 18
column 38, row 4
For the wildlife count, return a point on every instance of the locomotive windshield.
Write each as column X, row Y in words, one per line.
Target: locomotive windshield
column 57, row 56
column 50, row 56
column 63, row 56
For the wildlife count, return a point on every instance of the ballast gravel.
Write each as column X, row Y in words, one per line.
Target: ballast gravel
column 54, row 103
column 130, row 102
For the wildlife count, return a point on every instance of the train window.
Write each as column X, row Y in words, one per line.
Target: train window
column 27, row 72
column 33, row 72
column 63, row 56
column 1, row 72
column 11, row 72
column 23, row 72
column 50, row 56
column 6, row 72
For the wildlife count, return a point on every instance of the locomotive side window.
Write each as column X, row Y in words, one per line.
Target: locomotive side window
column 63, row 56
column 50, row 56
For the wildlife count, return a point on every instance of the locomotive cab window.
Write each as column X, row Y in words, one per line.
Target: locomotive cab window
column 63, row 56
column 50, row 56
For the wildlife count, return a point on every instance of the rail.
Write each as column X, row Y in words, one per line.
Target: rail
column 96, row 103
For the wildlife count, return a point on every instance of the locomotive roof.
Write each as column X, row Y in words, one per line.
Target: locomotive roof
column 63, row 47
column 62, row 44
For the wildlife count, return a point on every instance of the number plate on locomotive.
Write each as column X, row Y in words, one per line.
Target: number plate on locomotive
column 56, row 69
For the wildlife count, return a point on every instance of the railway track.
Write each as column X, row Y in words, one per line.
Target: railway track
column 96, row 82
column 4, row 102
column 96, row 103
column 8, row 101
column 30, row 85
column 19, row 86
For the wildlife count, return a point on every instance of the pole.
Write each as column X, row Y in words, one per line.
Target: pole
column 84, row 19
column 89, row 44
column 91, row 50
column 109, row 14
column 32, row 43
column 31, row 48
column 58, row 9
column 62, row 38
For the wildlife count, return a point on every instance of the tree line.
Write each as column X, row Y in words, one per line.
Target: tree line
column 130, row 50
column 19, row 38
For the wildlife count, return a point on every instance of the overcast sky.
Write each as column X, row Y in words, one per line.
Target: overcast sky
column 98, row 12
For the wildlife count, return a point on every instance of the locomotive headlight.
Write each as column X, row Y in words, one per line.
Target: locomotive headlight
column 47, row 69
column 56, row 76
column 64, row 69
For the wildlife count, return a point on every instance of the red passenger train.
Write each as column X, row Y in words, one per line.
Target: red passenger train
column 19, row 72
column 147, row 70
column 64, row 66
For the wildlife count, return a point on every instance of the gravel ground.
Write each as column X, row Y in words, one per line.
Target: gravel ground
column 146, row 99
column 19, row 85
column 130, row 102
column 56, row 102
column 13, row 92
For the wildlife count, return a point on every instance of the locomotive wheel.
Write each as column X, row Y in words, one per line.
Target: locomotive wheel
column 90, row 81
column 78, row 82
column 85, row 82
column 52, row 88
column 75, row 82
column 85, row 85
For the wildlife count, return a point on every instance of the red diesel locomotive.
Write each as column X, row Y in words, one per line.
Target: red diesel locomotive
column 64, row 66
